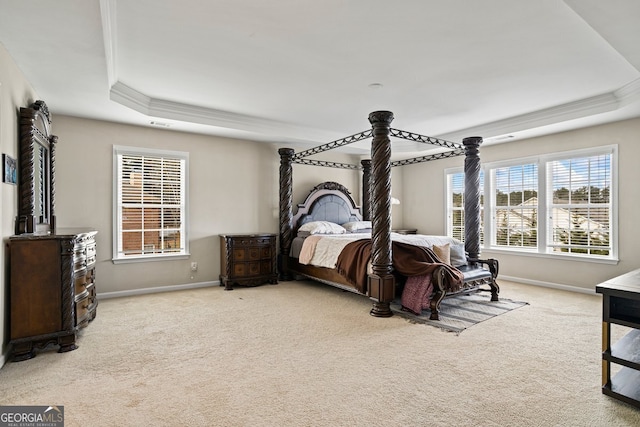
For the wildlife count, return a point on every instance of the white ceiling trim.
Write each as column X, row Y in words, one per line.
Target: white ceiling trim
column 160, row 108
column 628, row 94
column 165, row 109
column 109, row 31
column 170, row 110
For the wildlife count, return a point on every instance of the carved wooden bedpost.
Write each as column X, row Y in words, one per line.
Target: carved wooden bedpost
column 381, row 281
column 286, row 213
column 472, row 196
column 472, row 211
column 366, row 189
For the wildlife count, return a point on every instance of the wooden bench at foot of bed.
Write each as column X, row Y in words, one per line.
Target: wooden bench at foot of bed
column 474, row 276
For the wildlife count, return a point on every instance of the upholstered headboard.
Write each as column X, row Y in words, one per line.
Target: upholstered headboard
column 328, row 201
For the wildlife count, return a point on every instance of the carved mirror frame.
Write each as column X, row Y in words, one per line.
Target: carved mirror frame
column 36, row 187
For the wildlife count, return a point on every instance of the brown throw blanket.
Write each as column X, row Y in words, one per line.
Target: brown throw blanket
column 408, row 260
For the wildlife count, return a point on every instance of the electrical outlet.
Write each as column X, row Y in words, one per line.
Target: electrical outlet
column 194, row 266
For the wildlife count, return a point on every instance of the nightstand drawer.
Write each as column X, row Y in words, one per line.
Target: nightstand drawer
column 240, row 254
column 252, row 241
column 251, row 254
column 246, row 269
column 266, row 253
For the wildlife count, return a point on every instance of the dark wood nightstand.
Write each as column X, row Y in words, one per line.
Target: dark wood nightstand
column 406, row 231
column 247, row 259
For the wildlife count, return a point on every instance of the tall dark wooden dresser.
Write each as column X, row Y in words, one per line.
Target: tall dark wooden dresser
column 52, row 290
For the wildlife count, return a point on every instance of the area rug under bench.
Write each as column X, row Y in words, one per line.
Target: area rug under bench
column 459, row 312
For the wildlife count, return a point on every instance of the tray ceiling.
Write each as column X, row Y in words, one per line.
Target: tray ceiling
column 307, row 72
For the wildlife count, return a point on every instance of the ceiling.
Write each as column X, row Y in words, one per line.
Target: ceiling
column 307, row 72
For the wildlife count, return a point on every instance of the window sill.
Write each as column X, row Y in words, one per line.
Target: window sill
column 558, row 257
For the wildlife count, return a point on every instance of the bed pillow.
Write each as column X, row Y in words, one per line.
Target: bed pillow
column 322, row 227
column 458, row 256
column 443, row 252
column 354, row 226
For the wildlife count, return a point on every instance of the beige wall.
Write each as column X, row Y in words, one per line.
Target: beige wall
column 233, row 188
column 15, row 92
column 423, row 191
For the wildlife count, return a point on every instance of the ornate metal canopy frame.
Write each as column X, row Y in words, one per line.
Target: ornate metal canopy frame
column 376, row 196
column 455, row 149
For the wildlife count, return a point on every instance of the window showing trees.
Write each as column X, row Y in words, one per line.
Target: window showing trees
column 515, row 211
column 580, row 207
column 560, row 203
column 150, row 218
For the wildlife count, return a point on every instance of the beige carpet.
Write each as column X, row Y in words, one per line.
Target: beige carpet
column 305, row 354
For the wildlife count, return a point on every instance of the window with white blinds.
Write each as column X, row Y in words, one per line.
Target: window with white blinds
column 556, row 204
column 580, row 205
column 515, row 208
column 150, row 203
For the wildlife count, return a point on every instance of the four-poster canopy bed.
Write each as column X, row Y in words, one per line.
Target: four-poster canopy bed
column 376, row 261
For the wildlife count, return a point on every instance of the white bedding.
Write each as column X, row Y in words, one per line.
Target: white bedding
column 323, row 251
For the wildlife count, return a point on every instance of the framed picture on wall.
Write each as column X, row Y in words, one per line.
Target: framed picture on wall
column 9, row 169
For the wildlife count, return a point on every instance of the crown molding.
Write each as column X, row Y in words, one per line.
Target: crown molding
column 161, row 108
column 154, row 107
column 130, row 98
column 210, row 116
column 109, row 32
column 604, row 103
column 629, row 93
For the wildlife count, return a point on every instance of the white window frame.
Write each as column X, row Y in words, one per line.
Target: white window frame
column 611, row 150
column 118, row 256
column 448, row 204
column 490, row 213
column 543, row 249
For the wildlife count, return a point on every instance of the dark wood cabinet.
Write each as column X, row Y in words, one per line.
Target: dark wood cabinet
column 247, row 259
column 52, row 290
column 621, row 306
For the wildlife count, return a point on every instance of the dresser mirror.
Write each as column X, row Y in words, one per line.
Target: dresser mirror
column 36, row 171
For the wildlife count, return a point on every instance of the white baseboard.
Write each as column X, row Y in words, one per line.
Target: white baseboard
column 132, row 292
column 157, row 289
column 548, row 285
